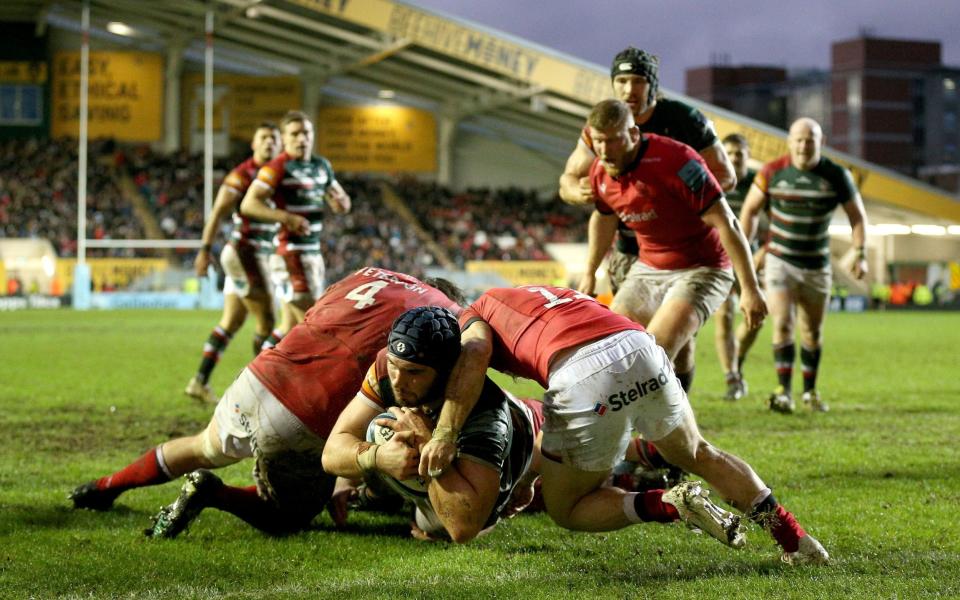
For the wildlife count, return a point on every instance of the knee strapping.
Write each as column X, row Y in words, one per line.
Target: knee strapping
column 213, row 453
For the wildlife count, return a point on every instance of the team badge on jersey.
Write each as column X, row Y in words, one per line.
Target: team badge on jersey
column 693, row 175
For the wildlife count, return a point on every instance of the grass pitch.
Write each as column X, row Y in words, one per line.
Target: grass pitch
column 877, row 480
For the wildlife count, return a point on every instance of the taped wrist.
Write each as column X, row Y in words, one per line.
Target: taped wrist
column 445, row 434
column 367, row 457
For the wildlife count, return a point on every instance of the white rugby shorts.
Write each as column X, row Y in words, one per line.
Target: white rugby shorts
column 237, row 281
column 778, row 274
column 646, row 288
column 607, row 388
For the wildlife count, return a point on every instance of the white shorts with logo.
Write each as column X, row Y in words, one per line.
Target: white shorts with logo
column 251, row 420
column 778, row 274
column 645, row 289
column 238, row 280
column 605, row 390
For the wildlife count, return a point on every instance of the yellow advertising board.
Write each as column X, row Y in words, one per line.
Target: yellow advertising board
column 23, row 71
column 522, row 272
column 240, row 102
column 110, row 272
column 392, row 139
column 125, row 95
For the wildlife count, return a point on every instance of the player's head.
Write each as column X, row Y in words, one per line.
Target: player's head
column 738, row 151
column 422, row 347
column 448, row 288
column 616, row 138
column 804, row 142
column 297, row 130
column 266, row 141
column 634, row 77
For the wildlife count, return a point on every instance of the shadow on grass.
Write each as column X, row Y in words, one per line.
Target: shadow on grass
column 17, row 517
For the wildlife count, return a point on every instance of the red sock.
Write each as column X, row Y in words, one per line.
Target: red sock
column 142, row 472
column 780, row 522
column 651, row 507
column 245, row 503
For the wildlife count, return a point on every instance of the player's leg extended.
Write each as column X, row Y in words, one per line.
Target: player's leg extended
column 234, row 313
column 724, row 338
column 812, row 302
column 260, row 304
column 781, row 293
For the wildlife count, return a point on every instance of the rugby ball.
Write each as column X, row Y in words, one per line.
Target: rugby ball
column 408, row 488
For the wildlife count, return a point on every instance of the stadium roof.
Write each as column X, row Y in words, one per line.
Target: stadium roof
column 469, row 74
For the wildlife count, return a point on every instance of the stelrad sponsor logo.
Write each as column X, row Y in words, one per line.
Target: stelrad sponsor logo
column 628, row 396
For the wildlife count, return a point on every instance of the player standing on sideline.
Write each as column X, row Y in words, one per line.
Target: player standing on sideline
column 496, row 442
column 634, row 76
column 733, row 344
column 663, row 191
column 604, row 377
column 280, row 411
column 802, row 189
column 302, row 186
column 244, row 262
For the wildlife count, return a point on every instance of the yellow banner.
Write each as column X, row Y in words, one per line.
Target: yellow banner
column 125, row 95
column 391, row 139
column 240, row 102
column 23, row 71
column 523, row 272
column 109, row 273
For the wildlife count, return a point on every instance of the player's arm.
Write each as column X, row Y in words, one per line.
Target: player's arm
column 254, row 205
column 600, row 232
column 753, row 204
column 752, row 303
column 461, row 395
column 338, row 199
column 719, row 164
column 348, row 454
column 464, row 496
column 223, row 205
column 858, row 225
column 575, row 185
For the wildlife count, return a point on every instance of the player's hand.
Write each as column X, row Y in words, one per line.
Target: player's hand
column 436, row 457
column 397, row 458
column 201, row 262
column 859, row 268
column 584, row 192
column 420, row 534
column 297, row 224
column 338, row 200
column 413, row 420
column 521, row 498
column 587, row 284
column 753, row 305
column 344, row 493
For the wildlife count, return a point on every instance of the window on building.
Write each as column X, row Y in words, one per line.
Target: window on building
column 21, row 104
column 949, row 87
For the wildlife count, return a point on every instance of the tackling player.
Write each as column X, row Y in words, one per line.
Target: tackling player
column 802, row 189
column 279, row 411
column 301, row 186
column 605, row 376
column 244, row 262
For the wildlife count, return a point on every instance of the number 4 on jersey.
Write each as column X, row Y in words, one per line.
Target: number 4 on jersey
column 364, row 294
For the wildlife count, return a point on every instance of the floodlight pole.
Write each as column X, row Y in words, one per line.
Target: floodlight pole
column 208, row 120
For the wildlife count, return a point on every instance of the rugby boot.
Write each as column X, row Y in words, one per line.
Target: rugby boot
column 194, row 496
column 736, row 388
column 90, row 497
column 781, row 401
column 812, row 399
column 699, row 513
column 810, row 552
column 200, row 391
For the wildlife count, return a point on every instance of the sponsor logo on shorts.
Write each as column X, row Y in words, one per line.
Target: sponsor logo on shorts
column 600, row 408
column 638, row 390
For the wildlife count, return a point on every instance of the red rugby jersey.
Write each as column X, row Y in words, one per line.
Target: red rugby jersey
column 531, row 324
column 319, row 366
column 662, row 198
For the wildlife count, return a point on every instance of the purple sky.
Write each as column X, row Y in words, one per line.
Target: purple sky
column 686, row 33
